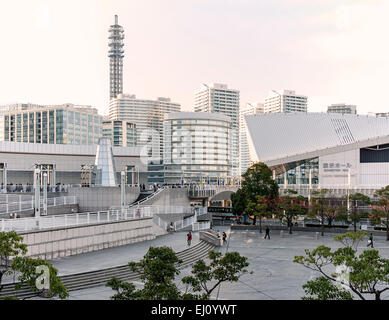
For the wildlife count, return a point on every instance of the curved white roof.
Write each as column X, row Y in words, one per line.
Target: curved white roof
column 281, row 135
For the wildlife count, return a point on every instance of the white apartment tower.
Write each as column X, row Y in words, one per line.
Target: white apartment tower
column 244, row 155
column 218, row 98
column 148, row 117
column 285, row 101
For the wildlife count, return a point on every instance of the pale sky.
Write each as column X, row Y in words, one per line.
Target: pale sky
column 55, row 51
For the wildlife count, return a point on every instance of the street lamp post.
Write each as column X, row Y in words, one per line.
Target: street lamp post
column 123, row 191
column 37, row 195
column 44, row 213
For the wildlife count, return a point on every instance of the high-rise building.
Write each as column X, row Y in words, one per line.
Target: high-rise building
column 196, row 147
column 116, row 55
column 244, row 155
column 342, row 108
column 148, row 116
column 285, row 101
column 61, row 124
column 122, row 133
column 217, row 98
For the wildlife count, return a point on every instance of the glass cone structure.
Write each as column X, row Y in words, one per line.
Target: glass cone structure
column 104, row 170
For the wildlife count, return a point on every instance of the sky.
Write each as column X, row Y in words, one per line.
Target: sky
column 333, row 51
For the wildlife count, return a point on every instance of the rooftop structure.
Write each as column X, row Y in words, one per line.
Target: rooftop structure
column 342, row 108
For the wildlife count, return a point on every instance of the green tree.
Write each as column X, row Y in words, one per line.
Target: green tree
column 335, row 211
column 323, row 289
column 355, row 215
column 318, row 208
column 14, row 261
column 380, row 209
column 258, row 181
column 27, row 269
column 239, row 202
column 290, row 207
column 11, row 246
column 158, row 270
column 261, row 208
column 227, row 268
column 364, row 274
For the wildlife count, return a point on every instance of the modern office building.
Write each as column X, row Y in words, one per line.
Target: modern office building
column 122, row 133
column 218, row 98
column 116, row 55
column 58, row 124
column 196, row 147
column 148, row 117
column 332, row 151
column 285, row 101
column 342, row 108
column 244, row 155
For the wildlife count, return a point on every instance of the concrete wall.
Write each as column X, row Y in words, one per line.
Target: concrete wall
column 102, row 198
column 51, row 244
column 169, row 197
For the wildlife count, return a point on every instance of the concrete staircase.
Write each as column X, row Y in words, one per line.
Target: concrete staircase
column 101, row 277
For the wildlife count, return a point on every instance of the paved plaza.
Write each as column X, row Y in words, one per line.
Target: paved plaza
column 275, row 276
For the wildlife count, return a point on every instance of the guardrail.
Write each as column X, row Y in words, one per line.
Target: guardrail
column 70, row 220
column 29, row 188
column 29, row 205
column 148, row 197
column 211, row 238
column 58, row 221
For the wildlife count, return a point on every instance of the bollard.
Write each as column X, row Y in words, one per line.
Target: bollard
column 317, row 235
column 282, row 233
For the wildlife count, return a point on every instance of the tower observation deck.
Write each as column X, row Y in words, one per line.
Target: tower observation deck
column 116, row 55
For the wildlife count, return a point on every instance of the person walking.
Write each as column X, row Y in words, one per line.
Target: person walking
column 224, row 237
column 370, row 241
column 171, row 227
column 189, row 237
column 267, row 231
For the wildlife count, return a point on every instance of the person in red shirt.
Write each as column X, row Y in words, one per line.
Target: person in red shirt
column 189, row 236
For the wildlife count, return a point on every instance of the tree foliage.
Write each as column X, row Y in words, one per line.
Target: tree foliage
column 14, row 261
column 364, row 274
column 158, row 270
column 257, row 186
column 380, row 209
column 258, row 181
column 356, row 213
column 323, row 289
column 27, row 269
column 290, row 207
column 239, row 202
column 11, row 246
column 261, row 208
column 208, row 277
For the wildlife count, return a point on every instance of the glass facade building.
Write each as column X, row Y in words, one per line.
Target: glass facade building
column 196, row 147
column 122, row 133
column 64, row 124
column 297, row 173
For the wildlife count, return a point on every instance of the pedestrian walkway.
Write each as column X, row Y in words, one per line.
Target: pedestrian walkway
column 113, row 257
